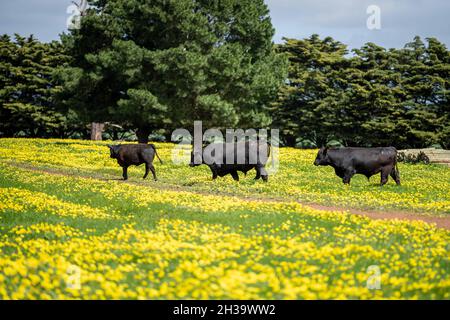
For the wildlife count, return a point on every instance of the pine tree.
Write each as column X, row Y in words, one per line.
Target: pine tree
column 165, row 63
column 425, row 78
column 26, row 105
column 309, row 103
column 376, row 97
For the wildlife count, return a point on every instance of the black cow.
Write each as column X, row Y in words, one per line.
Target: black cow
column 252, row 154
column 367, row 161
column 135, row 154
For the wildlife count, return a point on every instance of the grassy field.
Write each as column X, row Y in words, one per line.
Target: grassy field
column 70, row 229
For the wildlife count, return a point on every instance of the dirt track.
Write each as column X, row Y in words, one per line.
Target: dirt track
column 441, row 222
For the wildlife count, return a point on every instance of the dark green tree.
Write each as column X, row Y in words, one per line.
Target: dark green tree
column 151, row 64
column 425, row 76
column 373, row 98
column 26, row 87
column 439, row 59
column 376, row 97
column 309, row 103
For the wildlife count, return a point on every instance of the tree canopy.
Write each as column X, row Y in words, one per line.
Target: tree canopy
column 165, row 63
column 27, row 91
column 374, row 97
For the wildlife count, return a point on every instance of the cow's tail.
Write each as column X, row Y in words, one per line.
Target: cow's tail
column 397, row 172
column 271, row 156
column 156, row 153
column 270, row 153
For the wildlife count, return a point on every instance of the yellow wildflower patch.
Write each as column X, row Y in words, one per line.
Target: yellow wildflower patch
column 17, row 200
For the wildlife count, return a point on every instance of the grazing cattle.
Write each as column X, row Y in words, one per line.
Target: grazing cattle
column 135, row 154
column 242, row 156
column 367, row 161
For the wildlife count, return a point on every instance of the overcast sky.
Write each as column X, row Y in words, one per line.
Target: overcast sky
column 344, row 20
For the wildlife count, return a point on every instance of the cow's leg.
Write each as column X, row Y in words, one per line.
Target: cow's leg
column 385, row 171
column 152, row 169
column 214, row 173
column 395, row 175
column 146, row 170
column 262, row 171
column 235, row 175
column 339, row 172
column 124, row 173
column 348, row 174
column 258, row 173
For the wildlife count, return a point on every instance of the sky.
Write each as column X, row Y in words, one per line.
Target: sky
column 344, row 20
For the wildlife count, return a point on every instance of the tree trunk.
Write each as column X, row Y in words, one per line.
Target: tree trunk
column 96, row 131
column 142, row 135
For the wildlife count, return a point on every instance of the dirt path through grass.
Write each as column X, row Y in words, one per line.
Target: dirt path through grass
column 440, row 222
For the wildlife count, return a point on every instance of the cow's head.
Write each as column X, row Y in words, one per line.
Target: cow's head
column 196, row 159
column 114, row 151
column 322, row 157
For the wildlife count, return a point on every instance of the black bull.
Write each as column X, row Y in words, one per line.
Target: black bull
column 135, row 154
column 229, row 158
column 367, row 161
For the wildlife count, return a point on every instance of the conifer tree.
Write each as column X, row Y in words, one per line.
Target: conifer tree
column 165, row 63
column 26, row 87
